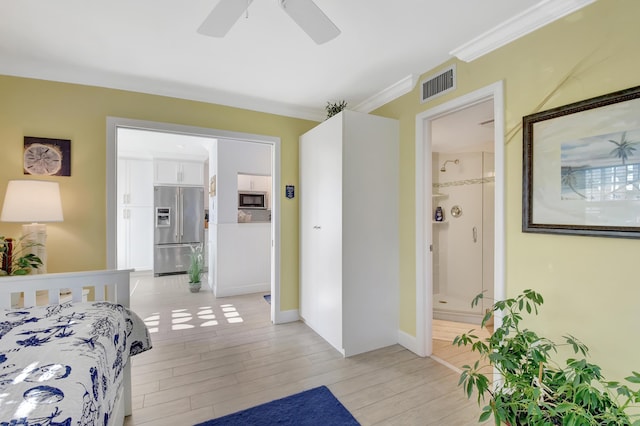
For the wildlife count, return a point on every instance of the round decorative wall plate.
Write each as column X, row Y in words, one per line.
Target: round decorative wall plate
column 42, row 159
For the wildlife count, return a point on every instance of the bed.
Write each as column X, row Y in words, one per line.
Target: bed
column 65, row 361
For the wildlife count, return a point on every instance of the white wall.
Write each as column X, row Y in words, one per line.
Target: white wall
column 212, row 235
column 238, row 157
column 244, row 261
column 242, row 253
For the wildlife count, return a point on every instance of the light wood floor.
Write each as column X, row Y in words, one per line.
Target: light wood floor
column 212, row 357
column 443, row 334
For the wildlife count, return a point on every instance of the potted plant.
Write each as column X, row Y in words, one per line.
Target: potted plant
column 196, row 263
column 15, row 260
column 334, row 108
column 532, row 387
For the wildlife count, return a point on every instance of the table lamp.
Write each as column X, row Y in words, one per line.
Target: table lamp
column 33, row 201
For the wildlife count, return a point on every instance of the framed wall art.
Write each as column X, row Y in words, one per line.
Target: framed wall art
column 581, row 167
column 47, row 157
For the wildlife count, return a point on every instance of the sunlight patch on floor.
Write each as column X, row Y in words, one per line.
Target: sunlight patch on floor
column 184, row 319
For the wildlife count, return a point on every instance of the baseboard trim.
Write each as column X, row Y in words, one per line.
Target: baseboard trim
column 471, row 318
column 283, row 317
column 446, row 364
column 410, row 342
column 238, row 291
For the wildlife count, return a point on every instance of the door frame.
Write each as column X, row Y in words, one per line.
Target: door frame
column 424, row 232
column 113, row 123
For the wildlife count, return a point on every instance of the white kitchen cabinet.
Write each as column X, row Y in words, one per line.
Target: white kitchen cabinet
column 244, row 182
column 135, row 238
column 349, row 231
column 135, row 185
column 173, row 172
column 254, row 183
column 135, row 214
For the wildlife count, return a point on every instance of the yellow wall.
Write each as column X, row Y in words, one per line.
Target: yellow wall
column 591, row 285
column 67, row 111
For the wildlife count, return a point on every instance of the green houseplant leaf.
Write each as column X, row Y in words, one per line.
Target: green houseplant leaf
column 20, row 261
column 196, row 264
column 534, row 389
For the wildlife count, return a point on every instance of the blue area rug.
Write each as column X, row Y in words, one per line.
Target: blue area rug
column 315, row 407
column 267, row 297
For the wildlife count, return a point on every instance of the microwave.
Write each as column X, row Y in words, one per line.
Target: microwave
column 252, row 200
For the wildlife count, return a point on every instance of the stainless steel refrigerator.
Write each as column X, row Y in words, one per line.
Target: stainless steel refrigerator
column 179, row 225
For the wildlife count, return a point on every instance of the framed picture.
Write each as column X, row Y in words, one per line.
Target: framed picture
column 47, row 157
column 581, row 167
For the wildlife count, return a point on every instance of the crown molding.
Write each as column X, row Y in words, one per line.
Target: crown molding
column 524, row 23
column 387, row 95
column 97, row 78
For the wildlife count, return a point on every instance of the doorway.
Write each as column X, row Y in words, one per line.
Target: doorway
column 115, row 123
column 462, row 196
column 425, row 204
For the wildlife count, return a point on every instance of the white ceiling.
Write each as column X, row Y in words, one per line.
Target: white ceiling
column 139, row 143
column 266, row 62
column 468, row 129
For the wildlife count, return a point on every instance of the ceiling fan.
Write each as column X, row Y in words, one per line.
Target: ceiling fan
column 305, row 13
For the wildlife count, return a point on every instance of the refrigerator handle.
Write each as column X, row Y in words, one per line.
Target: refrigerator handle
column 177, row 217
column 181, row 215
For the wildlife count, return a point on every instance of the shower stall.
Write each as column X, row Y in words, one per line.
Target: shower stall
column 463, row 234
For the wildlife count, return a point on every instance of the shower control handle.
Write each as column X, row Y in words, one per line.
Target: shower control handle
column 475, row 234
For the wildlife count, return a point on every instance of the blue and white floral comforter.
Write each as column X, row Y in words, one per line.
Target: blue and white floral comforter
column 63, row 364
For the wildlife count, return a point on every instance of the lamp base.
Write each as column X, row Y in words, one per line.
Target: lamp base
column 34, row 240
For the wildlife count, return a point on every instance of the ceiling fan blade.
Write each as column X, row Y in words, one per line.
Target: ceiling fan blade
column 311, row 19
column 223, row 16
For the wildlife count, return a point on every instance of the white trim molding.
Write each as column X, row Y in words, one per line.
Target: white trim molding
column 113, row 123
column 423, row 203
column 283, row 317
column 387, row 95
column 522, row 24
column 409, row 342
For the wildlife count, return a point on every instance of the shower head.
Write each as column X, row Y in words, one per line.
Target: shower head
column 444, row 166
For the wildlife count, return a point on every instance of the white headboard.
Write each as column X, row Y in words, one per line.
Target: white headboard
column 112, row 286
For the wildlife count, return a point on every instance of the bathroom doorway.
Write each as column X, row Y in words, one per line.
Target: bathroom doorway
column 463, row 193
column 460, row 245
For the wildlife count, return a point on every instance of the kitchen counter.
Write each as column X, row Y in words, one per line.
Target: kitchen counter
column 254, row 216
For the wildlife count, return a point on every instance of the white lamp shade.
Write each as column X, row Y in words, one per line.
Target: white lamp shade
column 32, row 201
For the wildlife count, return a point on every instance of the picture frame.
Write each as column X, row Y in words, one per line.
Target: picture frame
column 581, row 168
column 46, row 156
